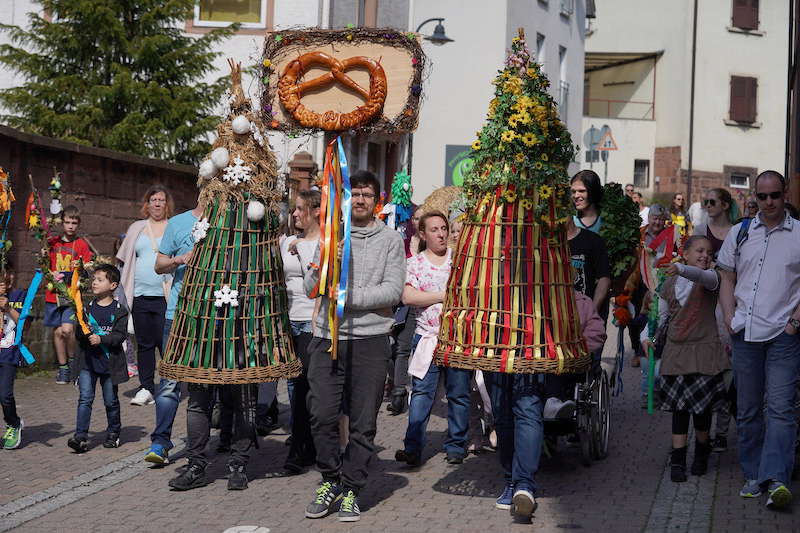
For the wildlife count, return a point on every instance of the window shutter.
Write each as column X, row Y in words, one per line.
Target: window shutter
column 743, row 99
column 745, row 14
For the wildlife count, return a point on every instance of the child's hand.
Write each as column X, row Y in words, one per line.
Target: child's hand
column 74, row 264
column 94, row 340
column 185, row 258
column 646, row 346
column 293, row 247
column 3, row 302
column 670, row 269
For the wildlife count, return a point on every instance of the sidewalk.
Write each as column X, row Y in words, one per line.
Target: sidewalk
column 627, row 492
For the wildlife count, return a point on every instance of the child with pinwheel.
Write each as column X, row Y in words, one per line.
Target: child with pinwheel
column 693, row 360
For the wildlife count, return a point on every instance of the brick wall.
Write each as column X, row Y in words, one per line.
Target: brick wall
column 666, row 164
column 106, row 186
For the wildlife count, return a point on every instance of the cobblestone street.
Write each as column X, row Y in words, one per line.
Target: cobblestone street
column 49, row 488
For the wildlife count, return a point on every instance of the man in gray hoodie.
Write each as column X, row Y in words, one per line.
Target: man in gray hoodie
column 356, row 378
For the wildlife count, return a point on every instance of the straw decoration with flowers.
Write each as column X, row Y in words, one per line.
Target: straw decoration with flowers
column 510, row 303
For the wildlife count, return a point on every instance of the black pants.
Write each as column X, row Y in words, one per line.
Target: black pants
column 402, row 348
column 148, row 322
column 634, row 330
column 241, row 400
column 356, row 377
column 8, row 373
column 302, row 449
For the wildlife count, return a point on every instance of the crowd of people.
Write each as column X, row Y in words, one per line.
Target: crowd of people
column 726, row 340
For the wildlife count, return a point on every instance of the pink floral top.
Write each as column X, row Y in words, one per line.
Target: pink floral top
column 427, row 277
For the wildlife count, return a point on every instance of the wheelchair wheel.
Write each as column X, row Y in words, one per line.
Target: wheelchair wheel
column 583, row 423
column 600, row 416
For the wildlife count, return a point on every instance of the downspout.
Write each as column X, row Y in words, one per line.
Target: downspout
column 691, row 107
column 789, row 94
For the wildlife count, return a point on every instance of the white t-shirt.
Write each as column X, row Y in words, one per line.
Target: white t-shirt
column 644, row 213
column 301, row 307
column 427, row 277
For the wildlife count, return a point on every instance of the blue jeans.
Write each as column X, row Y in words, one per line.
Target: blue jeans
column 766, row 369
column 517, row 403
column 167, row 400
column 87, row 380
column 423, row 393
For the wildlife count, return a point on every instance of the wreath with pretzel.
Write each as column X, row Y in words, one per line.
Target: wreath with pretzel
column 291, row 89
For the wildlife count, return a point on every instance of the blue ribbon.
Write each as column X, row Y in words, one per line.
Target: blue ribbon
column 347, row 203
column 97, row 330
column 24, row 313
column 4, row 225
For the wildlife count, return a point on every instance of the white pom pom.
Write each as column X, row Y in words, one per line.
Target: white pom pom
column 241, row 125
column 55, row 207
column 220, row 157
column 255, row 211
column 207, row 170
column 406, row 186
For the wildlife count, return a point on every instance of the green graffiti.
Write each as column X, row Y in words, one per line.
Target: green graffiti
column 461, row 169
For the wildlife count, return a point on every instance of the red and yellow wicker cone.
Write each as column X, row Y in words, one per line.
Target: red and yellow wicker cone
column 510, row 303
column 231, row 321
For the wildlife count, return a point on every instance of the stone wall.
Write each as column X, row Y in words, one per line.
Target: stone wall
column 106, row 186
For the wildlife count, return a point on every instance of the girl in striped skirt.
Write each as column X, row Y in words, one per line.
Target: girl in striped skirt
column 693, row 359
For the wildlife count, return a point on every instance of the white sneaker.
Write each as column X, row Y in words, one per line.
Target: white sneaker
column 523, row 504
column 143, row 397
column 555, row 408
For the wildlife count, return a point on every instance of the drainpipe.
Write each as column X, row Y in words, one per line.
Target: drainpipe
column 691, row 107
column 789, row 93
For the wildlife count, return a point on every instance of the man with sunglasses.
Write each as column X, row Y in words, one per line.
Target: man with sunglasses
column 760, row 299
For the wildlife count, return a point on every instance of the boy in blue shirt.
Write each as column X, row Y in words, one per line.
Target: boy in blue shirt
column 10, row 305
column 101, row 358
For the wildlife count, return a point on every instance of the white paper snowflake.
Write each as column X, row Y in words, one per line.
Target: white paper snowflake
column 237, row 172
column 200, row 229
column 226, row 296
column 257, row 134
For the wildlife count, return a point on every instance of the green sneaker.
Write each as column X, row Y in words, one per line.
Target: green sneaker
column 12, row 438
column 779, row 495
column 328, row 493
column 348, row 510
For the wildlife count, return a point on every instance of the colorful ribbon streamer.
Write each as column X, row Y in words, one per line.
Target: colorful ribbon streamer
column 347, row 204
column 97, row 330
column 75, row 294
column 23, row 315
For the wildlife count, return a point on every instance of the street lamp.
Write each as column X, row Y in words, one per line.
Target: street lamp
column 438, row 37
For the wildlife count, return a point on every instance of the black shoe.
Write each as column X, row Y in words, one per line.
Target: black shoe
column 192, row 478
column 719, row 444
column 410, row 458
column 454, row 459
column 79, row 444
column 677, row 473
column 266, row 424
column 112, row 440
column 237, row 477
column 700, row 463
column 398, row 401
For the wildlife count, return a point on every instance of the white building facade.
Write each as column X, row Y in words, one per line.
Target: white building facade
column 638, row 84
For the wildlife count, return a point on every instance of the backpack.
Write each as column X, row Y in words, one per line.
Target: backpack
column 743, row 233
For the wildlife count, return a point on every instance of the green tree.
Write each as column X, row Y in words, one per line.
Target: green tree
column 115, row 74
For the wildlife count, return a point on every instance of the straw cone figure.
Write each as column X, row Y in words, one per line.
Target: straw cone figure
column 231, row 323
column 509, row 305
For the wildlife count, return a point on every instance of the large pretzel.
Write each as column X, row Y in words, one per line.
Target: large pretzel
column 290, row 90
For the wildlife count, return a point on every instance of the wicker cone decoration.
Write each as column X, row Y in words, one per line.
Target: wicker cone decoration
column 231, row 323
column 510, row 304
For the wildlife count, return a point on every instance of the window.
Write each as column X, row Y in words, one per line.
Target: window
column 249, row 13
column 641, row 173
column 567, row 7
column 745, row 14
column 540, row 48
column 740, row 181
column 563, row 99
column 562, row 63
column 344, row 12
column 739, row 177
column 743, row 99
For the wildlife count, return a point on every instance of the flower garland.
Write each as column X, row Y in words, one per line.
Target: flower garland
column 523, row 143
column 620, row 229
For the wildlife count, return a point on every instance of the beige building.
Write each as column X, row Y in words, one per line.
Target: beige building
column 638, row 90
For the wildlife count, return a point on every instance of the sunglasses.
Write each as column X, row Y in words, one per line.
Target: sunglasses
column 710, row 202
column 764, row 195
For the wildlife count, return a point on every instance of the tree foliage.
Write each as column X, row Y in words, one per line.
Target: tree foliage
column 116, row 74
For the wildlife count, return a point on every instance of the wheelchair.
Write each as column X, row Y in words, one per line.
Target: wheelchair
column 590, row 424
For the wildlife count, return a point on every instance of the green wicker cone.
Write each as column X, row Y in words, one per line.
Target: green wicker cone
column 231, row 322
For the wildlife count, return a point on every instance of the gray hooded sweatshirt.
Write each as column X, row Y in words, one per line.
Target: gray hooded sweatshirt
column 375, row 284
